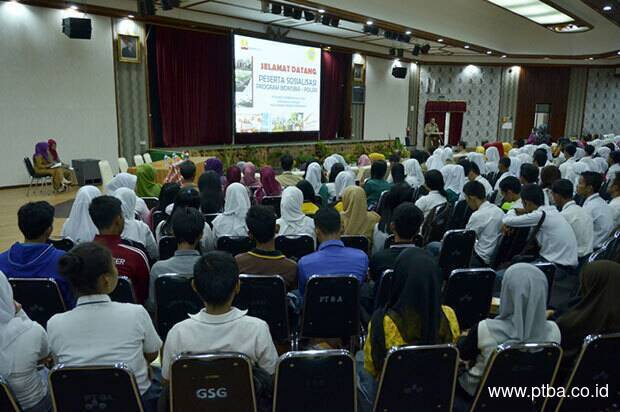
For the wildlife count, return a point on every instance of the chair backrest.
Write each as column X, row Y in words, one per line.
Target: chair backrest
column 295, row 246
column 151, row 202
column 167, row 246
column 264, row 297
column 381, row 202
column 526, row 365
column 511, row 245
column 436, row 222
column 8, row 402
column 321, row 380
column 123, row 166
column 431, row 385
column 549, row 270
column 209, row 218
column 235, row 244
column 384, row 288
column 597, row 369
column 356, row 242
column 138, row 160
column 65, row 244
column 418, row 193
column 40, row 298
column 456, row 249
column 212, row 382
column 175, row 300
column 147, row 158
column 492, row 197
column 331, row 307
column 158, row 216
column 123, row 292
column 106, row 172
column 30, row 167
column 94, row 388
column 273, row 201
column 469, row 293
column 460, row 215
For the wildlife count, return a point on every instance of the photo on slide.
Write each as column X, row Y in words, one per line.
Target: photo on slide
column 244, row 71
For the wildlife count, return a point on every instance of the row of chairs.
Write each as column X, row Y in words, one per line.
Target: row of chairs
column 107, row 172
column 325, row 380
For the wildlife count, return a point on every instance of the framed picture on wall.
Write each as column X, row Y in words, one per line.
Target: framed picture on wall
column 358, row 73
column 128, row 48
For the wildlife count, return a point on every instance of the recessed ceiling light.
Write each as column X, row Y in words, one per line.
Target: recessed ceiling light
column 408, row 32
column 590, row 58
column 607, row 8
column 503, row 56
column 546, row 58
column 536, row 10
column 618, row 52
column 131, row 16
column 321, row 11
column 440, row 40
column 489, row 52
column 73, row 7
column 467, row 46
column 370, row 22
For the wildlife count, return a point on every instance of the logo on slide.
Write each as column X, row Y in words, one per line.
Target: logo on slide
column 311, row 54
column 244, row 44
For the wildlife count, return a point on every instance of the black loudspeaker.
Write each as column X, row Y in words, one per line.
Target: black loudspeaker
column 77, row 28
column 399, row 72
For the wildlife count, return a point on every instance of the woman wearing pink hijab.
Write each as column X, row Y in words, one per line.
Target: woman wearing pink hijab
column 249, row 176
column 270, row 186
column 363, row 160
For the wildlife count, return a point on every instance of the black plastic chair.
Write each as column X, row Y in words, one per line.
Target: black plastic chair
column 380, row 203
column 596, row 367
column 418, row 193
column 94, row 388
column 417, row 241
column 167, row 246
column 430, row 387
column 527, row 365
column 35, row 178
column 510, row 246
column 384, row 288
column 264, row 297
column 212, row 382
column 8, row 402
column 460, row 216
column 295, row 246
column 175, row 300
column 549, row 270
column 65, row 244
column 151, row 202
column 321, row 380
column 274, row 202
column 469, row 293
column 158, row 217
column 331, row 308
column 209, row 218
column 456, row 250
column 123, row 293
column 235, row 244
column 356, row 242
column 492, row 197
column 436, row 222
column 40, row 298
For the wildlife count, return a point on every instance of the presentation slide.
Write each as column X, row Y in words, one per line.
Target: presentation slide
column 277, row 86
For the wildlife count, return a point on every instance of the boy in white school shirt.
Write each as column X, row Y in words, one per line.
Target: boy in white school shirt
column 219, row 327
column 602, row 215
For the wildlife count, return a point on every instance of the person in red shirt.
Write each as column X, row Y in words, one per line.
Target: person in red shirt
column 106, row 214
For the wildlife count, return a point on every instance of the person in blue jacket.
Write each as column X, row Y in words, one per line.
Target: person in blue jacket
column 35, row 257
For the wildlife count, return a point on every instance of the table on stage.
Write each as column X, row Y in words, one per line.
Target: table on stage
column 161, row 169
column 434, row 140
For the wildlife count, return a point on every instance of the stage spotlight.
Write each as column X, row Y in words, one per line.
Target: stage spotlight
column 326, row 20
column 309, row 15
column 335, row 21
column 426, row 48
column 276, row 9
column 297, row 13
column 416, row 50
column 288, row 11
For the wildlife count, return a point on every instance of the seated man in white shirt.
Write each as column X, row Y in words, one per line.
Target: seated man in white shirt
column 504, row 168
column 588, row 158
column 510, row 189
column 614, row 190
column 579, row 219
column 486, row 221
column 555, row 237
column 566, row 168
column 602, row 216
column 219, row 327
column 433, row 180
column 472, row 172
column 529, row 174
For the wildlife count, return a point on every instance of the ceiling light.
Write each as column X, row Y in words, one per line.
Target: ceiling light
column 489, row 52
column 536, row 10
column 370, row 22
column 607, row 8
column 546, row 58
column 73, row 7
column 503, row 56
column 467, row 46
column 619, row 52
column 408, row 32
column 590, row 58
column 440, row 40
column 131, row 16
column 321, row 11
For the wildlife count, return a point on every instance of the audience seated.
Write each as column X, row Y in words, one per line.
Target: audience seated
column 232, row 221
column 287, row 178
column 146, row 186
column 473, row 175
column 219, row 326
column 614, row 164
column 166, row 197
column 433, row 181
column 566, row 168
column 454, row 180
column 293, row 220
column 521, row 319
column 492, row 164
column 540, row 159
column 356, row 219
column 249, row 176
column 335, row 170
column 269, row 184
column 187, row 169
column 503, row 170
column 129, row 181
column 377, row 183
column 510, row 190
column 602, row 215
column 233, row 175
column 135, row 230
column 614, row 191
column 211, row 196
column 99, row 331
column 486, row 221
column 343, row 180
column 413, row 173
column 579, row 219
column 397, row 174
column 36, row 257
column 548, row 176
column 309, row 206
column 395, row 196
column 214, row 164
column 264, row 259
column 107, row 215
column 79, row 227
column 187, row 227
column 332, row 258
column 314, row 175
column 23, row 343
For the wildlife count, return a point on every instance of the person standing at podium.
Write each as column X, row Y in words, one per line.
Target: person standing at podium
column 431, row 135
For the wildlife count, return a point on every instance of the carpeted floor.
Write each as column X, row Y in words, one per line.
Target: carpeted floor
column 63, row 209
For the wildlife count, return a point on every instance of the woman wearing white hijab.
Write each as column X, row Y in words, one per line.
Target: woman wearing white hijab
column 293, row 220
column 434, row 162
column 446, row 155
column 454, row 180
column 413, row 173
column 524, row 158
column 129, row 181
column 492, row 164
column 478, row 159
column 79, row 227
column 329, row 162
column 135, row 230
column 23, row 343
column 515, row 167
column 236, row 206
column 343, row 180
column 579, row 154
column 522, row 319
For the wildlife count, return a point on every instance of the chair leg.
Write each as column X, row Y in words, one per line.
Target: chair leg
column 29, row 186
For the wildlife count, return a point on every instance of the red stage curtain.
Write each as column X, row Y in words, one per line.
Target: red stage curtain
column 456, row 126
column 438, row 111
column 335, row 69
column 194, row 77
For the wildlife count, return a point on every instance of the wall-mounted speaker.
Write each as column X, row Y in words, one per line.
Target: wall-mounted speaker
column 399, row 72
column 77, row 28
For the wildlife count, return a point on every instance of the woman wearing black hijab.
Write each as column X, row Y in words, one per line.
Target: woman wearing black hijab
column 211, row 197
